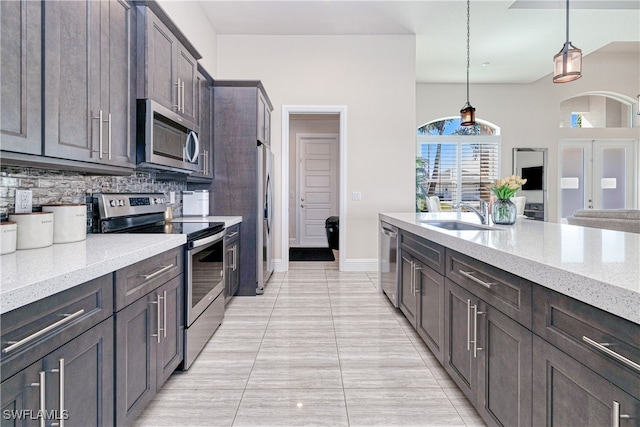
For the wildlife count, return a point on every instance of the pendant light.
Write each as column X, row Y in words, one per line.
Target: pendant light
column 468, row 113
column 567, row 64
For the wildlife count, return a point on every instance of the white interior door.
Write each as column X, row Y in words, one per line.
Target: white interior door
column 317, row 186
column 597, row 175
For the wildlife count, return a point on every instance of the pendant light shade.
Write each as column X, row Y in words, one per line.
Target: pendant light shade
column 468, row 113
column 567, row 64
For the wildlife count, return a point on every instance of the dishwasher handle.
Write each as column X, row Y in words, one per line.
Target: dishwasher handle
column 387, row 232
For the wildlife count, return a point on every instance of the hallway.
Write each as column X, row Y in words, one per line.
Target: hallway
column 320, row 347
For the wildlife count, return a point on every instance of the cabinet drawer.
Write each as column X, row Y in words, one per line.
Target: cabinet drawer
column 506, row 292
column 430, row 253
column 137, row 280
column 31, row 332
column 602, row 341
column 232, row 233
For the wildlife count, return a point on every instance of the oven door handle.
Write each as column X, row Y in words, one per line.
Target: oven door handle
column 206, row 240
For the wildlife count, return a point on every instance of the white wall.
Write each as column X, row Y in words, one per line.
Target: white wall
column 529, row 114
column 374, row 77
column 190, row 18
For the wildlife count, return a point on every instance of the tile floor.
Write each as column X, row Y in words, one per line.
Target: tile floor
column 320, row 347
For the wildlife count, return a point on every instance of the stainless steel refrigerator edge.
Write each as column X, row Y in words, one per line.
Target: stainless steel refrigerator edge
column 265, row 223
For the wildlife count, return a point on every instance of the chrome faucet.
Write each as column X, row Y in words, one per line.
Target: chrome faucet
column 483, row 213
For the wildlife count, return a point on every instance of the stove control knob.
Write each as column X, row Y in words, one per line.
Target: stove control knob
column 113, row 203
column 120, row 202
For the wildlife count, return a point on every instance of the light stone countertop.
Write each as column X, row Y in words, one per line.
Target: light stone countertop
column 595, row 266
column 33, row 274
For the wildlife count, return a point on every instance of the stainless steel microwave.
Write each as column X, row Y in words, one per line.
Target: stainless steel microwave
column 165, row 140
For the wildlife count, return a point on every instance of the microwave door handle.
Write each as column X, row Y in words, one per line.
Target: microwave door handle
column 187, row 147
column 196, row 150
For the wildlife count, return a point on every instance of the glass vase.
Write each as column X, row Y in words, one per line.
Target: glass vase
column 504, row 212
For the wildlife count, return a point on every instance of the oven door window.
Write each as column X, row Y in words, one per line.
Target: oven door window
column 207, row 268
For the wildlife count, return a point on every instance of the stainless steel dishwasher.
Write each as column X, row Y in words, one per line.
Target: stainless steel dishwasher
column 388, row 265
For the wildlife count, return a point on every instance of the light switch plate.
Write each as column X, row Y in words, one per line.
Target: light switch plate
column 172, row 197
column 23, row 201
column 356, row 196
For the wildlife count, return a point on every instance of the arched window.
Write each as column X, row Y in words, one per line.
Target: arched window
column 597, row 110
column 456, row 163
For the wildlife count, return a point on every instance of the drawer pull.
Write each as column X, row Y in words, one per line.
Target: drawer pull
column 20, row 343
column 157, row 273
column 469, row 275
column 234, row 234
column 612, row 354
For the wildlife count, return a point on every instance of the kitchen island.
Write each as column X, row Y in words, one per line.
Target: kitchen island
column 536, row 323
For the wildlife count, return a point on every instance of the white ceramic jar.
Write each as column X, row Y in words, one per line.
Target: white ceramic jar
column 8, row 237
column 35, row 229
column 69, row 222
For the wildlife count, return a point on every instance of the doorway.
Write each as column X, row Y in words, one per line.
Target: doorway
column 315, row 136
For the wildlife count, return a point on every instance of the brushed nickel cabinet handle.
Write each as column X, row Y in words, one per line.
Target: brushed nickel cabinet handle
column 109, row 137
column 157, row 304
column 157, row 273
column 468, row 325
column 20, row 343
column 182, row 96
column 99, row 118
column 612, row 354
column 469, row 275
column 164, row 318
column 615, row 414
column 60, row 370
column 476, row 349
column 415, row 278
column 177, row 106
column 41, row 385
column 234, row 234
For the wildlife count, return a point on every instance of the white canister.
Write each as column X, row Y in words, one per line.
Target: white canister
column 8, row 237
column 69, row 222
column 35, row 229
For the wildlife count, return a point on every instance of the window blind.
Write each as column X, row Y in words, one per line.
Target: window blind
column 458, row 171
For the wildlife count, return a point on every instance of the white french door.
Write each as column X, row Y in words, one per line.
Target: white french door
column 597, row 174
column 317, row 186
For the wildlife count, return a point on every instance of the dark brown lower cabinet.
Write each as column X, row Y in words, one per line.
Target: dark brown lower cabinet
column 567, row 393
column 149, row 347
column 408, row 295
column 488, row 357
column 76, row 381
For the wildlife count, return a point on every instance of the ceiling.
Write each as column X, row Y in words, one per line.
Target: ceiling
column 511, row 41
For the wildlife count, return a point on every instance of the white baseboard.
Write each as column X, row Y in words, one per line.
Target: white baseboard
column 359, row 265
column 279, row 265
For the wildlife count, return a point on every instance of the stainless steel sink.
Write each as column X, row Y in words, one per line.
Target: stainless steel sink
column 458, row 225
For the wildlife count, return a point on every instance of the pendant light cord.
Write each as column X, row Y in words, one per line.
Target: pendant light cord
column 567, row 43
column 468, row 47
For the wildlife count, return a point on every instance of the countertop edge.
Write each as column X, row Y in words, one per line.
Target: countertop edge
column 605, row 296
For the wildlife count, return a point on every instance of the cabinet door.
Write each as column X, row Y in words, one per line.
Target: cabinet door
column 566, row 393
column 504, row 368
column 459, row 361
column 72, row 79
column 20, row 76
column 430, row 317
column 21, row 397
column 170, row 349
column 205, row 117
column 117, row 94
column 408, row 298
column 160, row 69
column 186, row 72
column 80, row 378
column 136, row 345
column 262, row 108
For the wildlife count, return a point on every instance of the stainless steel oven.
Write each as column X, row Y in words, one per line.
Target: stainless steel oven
column 204, row 292
column 204, row 258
